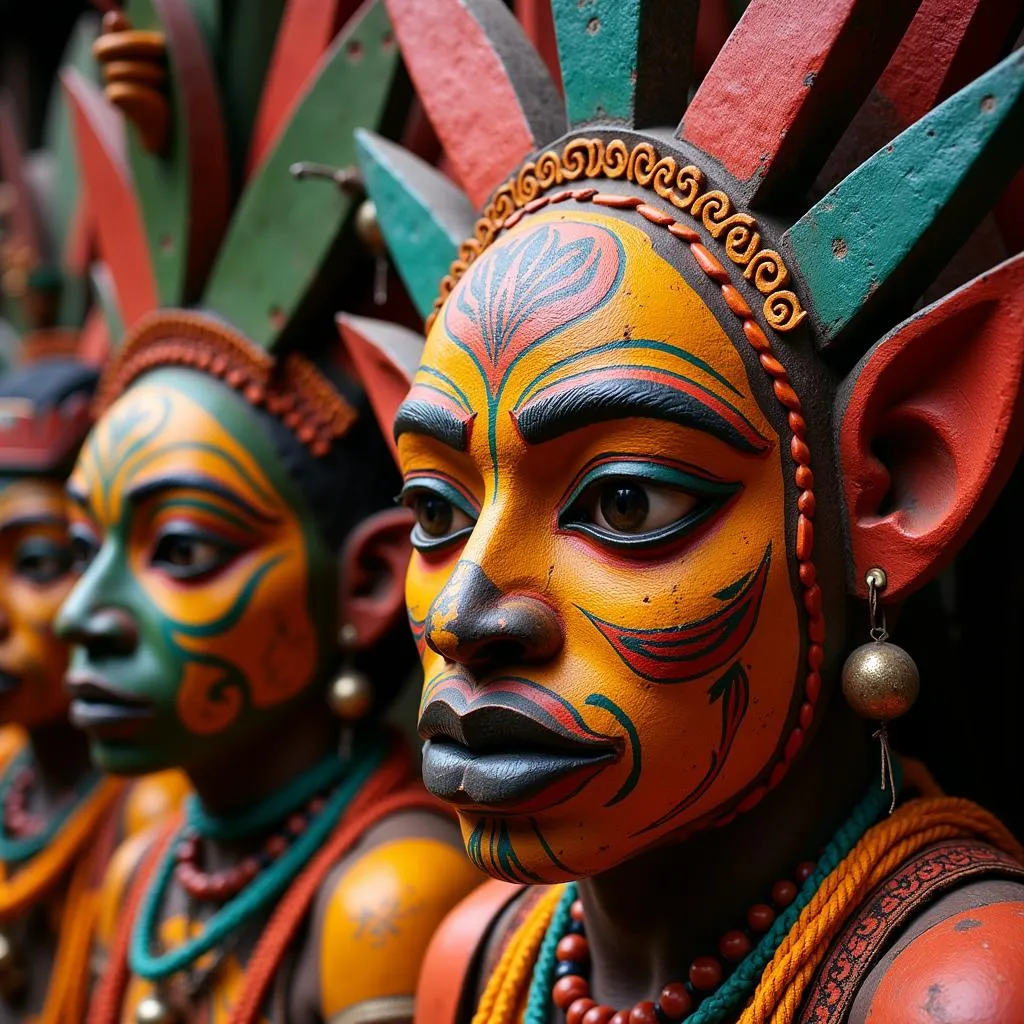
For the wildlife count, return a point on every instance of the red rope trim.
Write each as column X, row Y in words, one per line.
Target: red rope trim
column 292, row 389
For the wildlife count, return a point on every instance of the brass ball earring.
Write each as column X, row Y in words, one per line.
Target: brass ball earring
column 350, row 694
column 880, row 680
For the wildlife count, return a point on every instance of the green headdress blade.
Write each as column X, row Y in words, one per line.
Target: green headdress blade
column 885, row 231
column 184, row 193
column 625, row 62
column 423, row 215
column 358, row 83
column 64, row 210
column 248, row 39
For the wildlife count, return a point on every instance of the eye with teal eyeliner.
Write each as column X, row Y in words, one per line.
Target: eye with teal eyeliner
column 444, row 514
column 634, row 504
column 184, row 553
column 41, row 560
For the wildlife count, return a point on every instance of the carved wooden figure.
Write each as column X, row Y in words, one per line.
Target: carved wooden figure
column 679, row 438
column 61, row 819
column 240, row 615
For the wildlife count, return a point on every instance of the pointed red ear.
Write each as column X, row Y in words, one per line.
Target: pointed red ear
column 930, row 424
column 385, row 357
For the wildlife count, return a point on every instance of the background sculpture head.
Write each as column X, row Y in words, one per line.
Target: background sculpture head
column 234, row 499
column 44, row 416
column 660, row 430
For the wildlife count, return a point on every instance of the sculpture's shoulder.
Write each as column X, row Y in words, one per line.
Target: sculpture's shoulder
column 151, row 799
column 957, row 964
column 379, row 908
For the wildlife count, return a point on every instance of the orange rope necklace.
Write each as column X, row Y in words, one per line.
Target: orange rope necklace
column 784, row 982
column 67, row 993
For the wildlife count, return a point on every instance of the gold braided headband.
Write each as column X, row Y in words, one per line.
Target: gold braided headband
column 641, row 165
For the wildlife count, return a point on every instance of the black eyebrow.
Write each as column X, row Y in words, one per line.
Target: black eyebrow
column 545, row 418
column 418, row 417
column 32, row 520
column 196, row 482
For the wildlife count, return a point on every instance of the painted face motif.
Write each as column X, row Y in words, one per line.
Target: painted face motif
column 600, row 588
column 205, row 604
column 36, row 574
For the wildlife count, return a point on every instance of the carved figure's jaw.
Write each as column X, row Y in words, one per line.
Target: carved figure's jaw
column 601, row 591
column 36, row 574
column 197, row 617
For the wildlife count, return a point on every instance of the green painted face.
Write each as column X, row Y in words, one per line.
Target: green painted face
column 209, row 602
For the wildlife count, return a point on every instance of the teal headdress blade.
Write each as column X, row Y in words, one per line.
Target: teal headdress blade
column 423, row 216
column 884, row 232
column 358, row 83
column 625, row 62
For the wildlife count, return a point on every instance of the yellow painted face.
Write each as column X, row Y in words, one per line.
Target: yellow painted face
column 199, row 546
column 36, row 574
column 600, row 589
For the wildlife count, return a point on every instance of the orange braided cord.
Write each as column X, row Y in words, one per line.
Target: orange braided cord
column 46, row 869
column 507, row 986
column 882, row 849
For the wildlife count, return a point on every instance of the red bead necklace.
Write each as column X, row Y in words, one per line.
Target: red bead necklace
column 19, row 821
column 678, row 999
column 220, row 886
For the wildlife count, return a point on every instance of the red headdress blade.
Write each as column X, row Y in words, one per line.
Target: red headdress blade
column 485, row 90
column 118, row 220
column 307, row 28
column 785, row 86
column 385, row 357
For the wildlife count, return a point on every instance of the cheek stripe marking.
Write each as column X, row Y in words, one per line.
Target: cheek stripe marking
column 733, row 689
column 599, row 700
column 679, row 654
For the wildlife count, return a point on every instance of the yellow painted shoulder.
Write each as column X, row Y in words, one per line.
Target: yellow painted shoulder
column 151, row 799
column 116, row 879
column 381, row 916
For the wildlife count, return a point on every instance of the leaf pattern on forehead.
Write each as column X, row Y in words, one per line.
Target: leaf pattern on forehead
column 529, row 289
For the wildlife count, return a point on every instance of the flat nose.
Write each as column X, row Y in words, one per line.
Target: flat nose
column 105, row 632
column 475, row 624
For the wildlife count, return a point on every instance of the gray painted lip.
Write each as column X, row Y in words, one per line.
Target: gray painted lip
column 455, row 774
column 102, row 711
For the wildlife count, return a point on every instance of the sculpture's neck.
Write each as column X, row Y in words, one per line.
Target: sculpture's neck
column 647, row 919
column 60, row 753
column 248, row 771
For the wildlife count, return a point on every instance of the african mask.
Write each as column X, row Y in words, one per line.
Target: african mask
column 659, row 431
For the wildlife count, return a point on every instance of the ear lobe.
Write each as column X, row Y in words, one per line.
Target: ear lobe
column 373, row 565
column 930, row 423
column 385, row 358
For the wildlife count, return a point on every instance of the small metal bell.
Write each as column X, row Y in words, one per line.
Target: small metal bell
column 880, row 681
column 350, row 695
column 12, row 970
column 153, row 1010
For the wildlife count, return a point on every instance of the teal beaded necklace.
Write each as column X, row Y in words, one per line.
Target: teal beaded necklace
column 16, row 849
column 731, row 995
column 268, row 885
